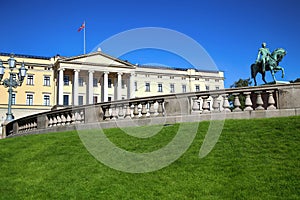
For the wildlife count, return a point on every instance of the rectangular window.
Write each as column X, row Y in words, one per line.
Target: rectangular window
column 95, row 82
column 66, row 100
column 147, row 87
column 207, row 87
column 171, row 77
column 217, row 80
column 13, row 99
column 159, row 76
column 80, row 100
column 123, row 84
column 29, row 79
column 46, row 80
column 160, row 89
column 66, row 80
column 109, row 98
column 217, row 87
column 135, row 86
column 197, row 88
column 46, row 100
column 183, row 88
column 172, row 88
column 196, row 79
column 29, row 99
column 80, row 81
column 206, row 79
column 109, row 82
column 183, row 78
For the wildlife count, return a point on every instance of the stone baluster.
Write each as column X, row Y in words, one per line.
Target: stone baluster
column 271, row 101
column 54, row 121
column 226, row 103
column 144, row 109
column 160, row 108
column 121, row 112
column 215, row 104
column 73, row 119
column 236, row 103
column 136, row 110
column 195, row 106
column 63, row 120
column 248, row 102
column 114, row 113
column 151, row 109
column 81, row 116
column 106, row 113
column 50, row 121
column 259, row 102
column 68, row 119
column 127, row 112
column 34, row 125
column 205, row 106
column 58, row 120
column 77, row 117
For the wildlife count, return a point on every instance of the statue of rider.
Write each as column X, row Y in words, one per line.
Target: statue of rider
column 263, row 56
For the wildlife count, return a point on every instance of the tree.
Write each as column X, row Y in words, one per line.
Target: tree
column 242, row 98
column 241, row 83
column 295, row 81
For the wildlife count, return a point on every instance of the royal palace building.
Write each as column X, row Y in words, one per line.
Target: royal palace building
column 59, row 81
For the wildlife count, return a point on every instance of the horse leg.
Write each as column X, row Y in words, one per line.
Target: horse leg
column 263, row 77
column 273, row 75
column 254, row 78
column 282, row 71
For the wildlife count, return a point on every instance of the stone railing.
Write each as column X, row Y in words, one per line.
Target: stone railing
column 261, row 101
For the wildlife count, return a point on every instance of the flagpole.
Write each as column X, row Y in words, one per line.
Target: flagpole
column 84, row 38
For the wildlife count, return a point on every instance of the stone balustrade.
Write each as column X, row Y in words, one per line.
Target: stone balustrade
column 247, row 102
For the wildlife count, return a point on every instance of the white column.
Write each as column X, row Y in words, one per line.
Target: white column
column 119, row 89
column 60, row 86
column 131, row 86
column 91, row 88
column 105, row 86
column 75, row 87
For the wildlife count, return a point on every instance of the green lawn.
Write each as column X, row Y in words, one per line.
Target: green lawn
column 253, row 159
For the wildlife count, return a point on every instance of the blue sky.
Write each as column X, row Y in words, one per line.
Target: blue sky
column 231, row 31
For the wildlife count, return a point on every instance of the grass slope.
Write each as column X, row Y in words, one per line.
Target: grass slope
column 253, row 159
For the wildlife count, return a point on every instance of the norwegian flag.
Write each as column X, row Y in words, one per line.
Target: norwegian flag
column 81, row 27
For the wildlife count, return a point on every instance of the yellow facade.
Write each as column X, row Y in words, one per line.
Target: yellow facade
column 38, row 69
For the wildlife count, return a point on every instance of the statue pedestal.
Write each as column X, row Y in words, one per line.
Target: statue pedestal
column 277, row 82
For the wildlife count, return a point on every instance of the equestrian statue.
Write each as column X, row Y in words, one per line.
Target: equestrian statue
column 267, row 61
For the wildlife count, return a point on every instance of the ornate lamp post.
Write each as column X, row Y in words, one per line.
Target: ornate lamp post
column 11, row 82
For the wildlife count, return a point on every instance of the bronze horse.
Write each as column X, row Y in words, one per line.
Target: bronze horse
column 271, row 65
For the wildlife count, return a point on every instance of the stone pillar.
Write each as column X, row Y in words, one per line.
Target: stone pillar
column 259, row 101
column 248, row 102
column 105, row 86
column 131, row 89
column 215, row 105
column 119, row 87
column 205, row 106
column 60, row 86
column 226, row 103
column 90, row 88
column 75, row 87
column 271, row 101
column 236, row 103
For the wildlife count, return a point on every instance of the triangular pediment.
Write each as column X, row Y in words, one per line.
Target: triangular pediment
column 97, row 59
